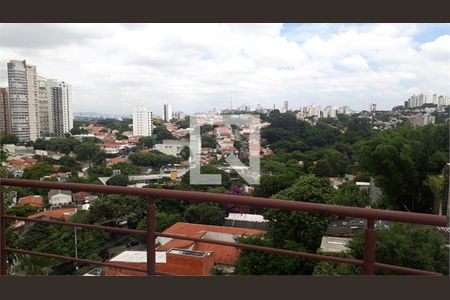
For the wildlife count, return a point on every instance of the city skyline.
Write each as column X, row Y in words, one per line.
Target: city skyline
column 113, row 67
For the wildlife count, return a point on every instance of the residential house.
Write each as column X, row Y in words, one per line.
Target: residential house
column 224, row 256
column 174, row 261
column 60, row 214
column 59, row 198
column 32, row 200
column 115, row 160
column 83, row 198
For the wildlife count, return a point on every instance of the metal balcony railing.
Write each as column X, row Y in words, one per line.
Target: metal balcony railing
column 368, row 263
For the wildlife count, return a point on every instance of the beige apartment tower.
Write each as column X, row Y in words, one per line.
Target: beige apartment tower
column 5, row 113
column 22, row 81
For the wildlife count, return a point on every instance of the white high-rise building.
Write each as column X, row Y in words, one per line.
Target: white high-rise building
column 22, row 81
column 417, row 101
column 167, row 112
column 285, row 107
column 142, row 121
column 61, row 112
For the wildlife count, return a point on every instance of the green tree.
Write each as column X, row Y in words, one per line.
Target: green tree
column 272, row 184
column 185, row 153
column 209, row 141
column 155, row 159
column 8, row 139
column 162, row 133
column 357, row 129
column 208, row 169
column 163, row 221
column 148, row 141
column 303, row 228
column 22, row 210
column 322, row 169
column 120, row 180
column 399, row 160
column 265, row 263
column 413, row 246
column 205, row 213
column 126, row 168
column 37, row 171
column 78, row 130
column 86, row 151
column 349, row 194
column 114, row 207
column 436, row 184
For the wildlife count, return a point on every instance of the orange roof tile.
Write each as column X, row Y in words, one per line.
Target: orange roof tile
column 80, row 195
column 61, row 213
column 33, row 200
column 222, row 254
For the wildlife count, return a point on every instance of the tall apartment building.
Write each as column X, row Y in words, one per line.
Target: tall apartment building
column 45, row 107
column 142, row 121
column 5, row 114
column 285, row 107
column 417, row 101
column 22, row 81
column 167, row 112
column 60, row 107
column 37, row 106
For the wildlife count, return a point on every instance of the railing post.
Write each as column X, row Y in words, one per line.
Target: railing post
column 150, row 237
column 369, row 248
column 3, row 256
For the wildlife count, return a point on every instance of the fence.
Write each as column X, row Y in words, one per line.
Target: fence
column 368, row 262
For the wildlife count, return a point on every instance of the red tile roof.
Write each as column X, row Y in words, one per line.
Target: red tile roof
column 61, row 213
column 116, row 160
column 222, row 254
column 80, row 195
column 33, row 200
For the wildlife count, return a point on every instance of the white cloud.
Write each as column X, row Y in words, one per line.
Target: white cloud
column 113, row 67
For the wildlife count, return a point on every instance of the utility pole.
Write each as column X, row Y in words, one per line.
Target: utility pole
column 75, row 237
column 76, row 242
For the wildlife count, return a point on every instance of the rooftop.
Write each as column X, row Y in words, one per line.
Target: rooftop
column 222, row 254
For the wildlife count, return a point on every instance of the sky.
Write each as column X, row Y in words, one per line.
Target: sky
column 196, row 67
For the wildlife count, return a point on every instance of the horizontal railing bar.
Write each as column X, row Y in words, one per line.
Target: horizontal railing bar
column 311, row 207
column 231, row 244
column 314, row 256
column 82, row 260
column 403, row 270
column 266, row 249
column 79, row 260
column 81, row 225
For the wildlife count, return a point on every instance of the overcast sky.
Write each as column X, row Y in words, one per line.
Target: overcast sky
column 113, row 67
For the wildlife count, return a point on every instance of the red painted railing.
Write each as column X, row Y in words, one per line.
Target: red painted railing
column 368, row 263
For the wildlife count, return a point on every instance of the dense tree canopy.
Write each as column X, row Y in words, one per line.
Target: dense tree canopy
column 303, row 228
column 154, row 159
column 8, row 139
column 86, row 151
column 401, row 159
column 59, row 144
column 126, row 168
column 208, row 169
column 413, row 246
column 204, row 213
column 38, row 171
column 120, row 180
